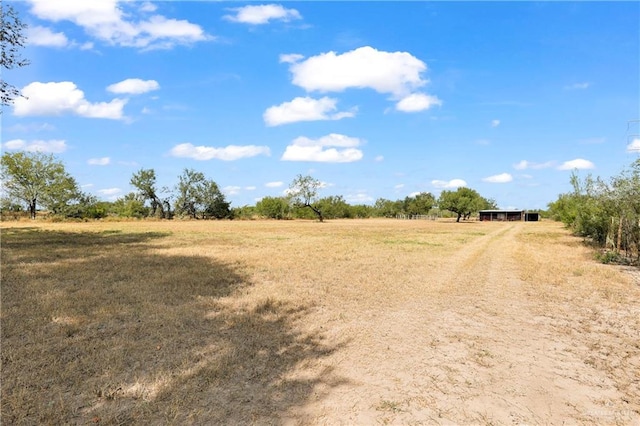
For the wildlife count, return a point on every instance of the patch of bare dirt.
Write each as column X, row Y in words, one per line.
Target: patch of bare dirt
column 489, row 350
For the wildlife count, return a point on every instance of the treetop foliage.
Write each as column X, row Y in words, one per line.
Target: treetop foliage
column 12, row 39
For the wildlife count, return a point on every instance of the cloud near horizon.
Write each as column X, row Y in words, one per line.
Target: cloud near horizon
column 332, row 148
column 228, row 153
column 501, row 178
column 53, row 146
column 453, row 183
column 634, row 146
column 524, row 165
column 578, row 163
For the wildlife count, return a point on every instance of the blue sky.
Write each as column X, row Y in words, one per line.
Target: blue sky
column 374, row 99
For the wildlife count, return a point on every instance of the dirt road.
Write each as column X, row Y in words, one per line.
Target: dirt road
column 491, row 344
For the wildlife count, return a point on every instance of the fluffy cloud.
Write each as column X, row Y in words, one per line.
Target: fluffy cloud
column 58, row 98
column 262, row 14
column 304, row 109
column 578, row 163
column 42, row 36
column 501, row 178
column 452, row 184
column 228, row 153
column 333, row 148
column 417, row 102
column 99, row 161
column 106, row 20
column 495, row 123
column 395, row 73
column 524, row 164
column 277, row 184
column 634, row 146
column 53, row 146
column 134, row 86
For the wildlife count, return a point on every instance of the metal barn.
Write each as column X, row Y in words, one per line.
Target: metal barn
column 508, row 216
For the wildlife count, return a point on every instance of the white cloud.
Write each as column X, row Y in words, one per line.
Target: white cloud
column 133, row 86
column 524, row 164
column 58, row 98
column 443, row 184
column 324, row 149
column 54, row 146
column 250, row 188
column 495, row 123
column 395, row 73
column 232, row 190
column 634, row 146
column 578, row 163
column 99, row 161
column 228, row 153
column 501, row 178
column 106, row 21
column 304, row 109
column 399, row 186
column 358, row 198
column 577, row 86
column 274, row 184
column 109, row 191
column 417, row 102
column 379, row 158
column 290, row 58
column 42, row 36
column 262, row 14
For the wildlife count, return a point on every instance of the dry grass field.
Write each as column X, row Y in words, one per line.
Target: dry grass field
column 339, row 323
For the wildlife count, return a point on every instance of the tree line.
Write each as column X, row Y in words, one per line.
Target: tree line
column 33, row 181
column 605, row 212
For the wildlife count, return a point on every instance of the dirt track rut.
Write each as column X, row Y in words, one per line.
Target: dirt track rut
column 480, row 349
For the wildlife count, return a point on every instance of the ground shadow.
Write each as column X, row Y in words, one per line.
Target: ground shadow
column 107, row 328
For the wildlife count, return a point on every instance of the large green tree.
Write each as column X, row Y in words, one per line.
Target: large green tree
column 144, row 180
column 35, row 177
column 419, row 204
column 274, row 207
column 304, row 193
column 199, row 197
column 12, row 39
column 463, row 202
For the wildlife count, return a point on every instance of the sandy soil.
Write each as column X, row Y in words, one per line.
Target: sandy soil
column 299, row 323
column 492, row 352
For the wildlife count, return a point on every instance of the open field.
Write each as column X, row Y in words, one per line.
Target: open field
column 346, row 322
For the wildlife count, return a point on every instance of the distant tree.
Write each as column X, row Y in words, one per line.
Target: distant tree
column 388, row 208
column 463, row 202
column 144, row 181
column 37, row 178
column 273, row 207
column 419, row 204
column 215, row 204
column 199, row 197
column 12, row 38
column 334, row 207
column 131, row 205
column 361, row 211
column 304, row 193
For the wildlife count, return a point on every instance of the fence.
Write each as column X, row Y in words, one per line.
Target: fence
column 417, row 216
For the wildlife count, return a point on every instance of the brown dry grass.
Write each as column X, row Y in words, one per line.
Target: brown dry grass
column 346, row 322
